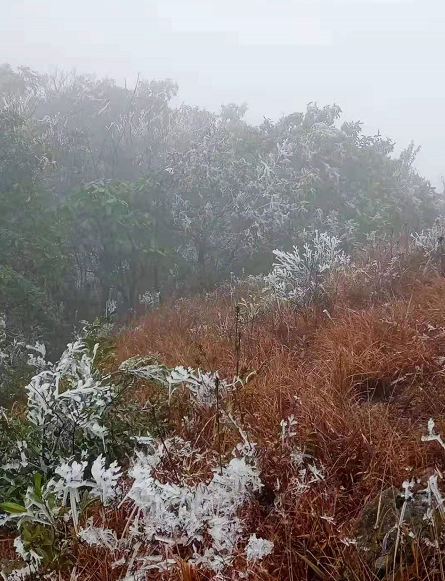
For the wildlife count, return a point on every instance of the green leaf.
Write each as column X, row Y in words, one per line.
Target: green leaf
column 38, row 485
column 12, row 507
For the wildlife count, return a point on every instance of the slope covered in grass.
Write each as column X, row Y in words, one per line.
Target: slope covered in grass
column 360, row 385
column 269, row 442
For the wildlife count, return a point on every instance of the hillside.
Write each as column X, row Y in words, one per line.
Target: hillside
column 251, row 439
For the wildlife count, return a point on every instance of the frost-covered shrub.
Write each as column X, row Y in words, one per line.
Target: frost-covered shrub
column 150, row 300
column 250, row 308
column 70, row 478
column 99, row 537
column 72, row 412
column 185, row 514
column 49, row 510
column 18, row 455
column 202, row 517
column 299, row 276
column 65, row 417
column 307, row 470
column 430, row 241
column 69, row 399
column 61, row 458
column 204, row 387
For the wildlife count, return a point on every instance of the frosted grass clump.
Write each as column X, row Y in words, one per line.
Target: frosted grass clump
column 287, row 428
column 21, row 574
column 204, row 386
column 150, row 300
column 71, row 478
column 30, row 557
column 104, row 480
column 308, row 473
column 99, row 537
column 432, row 436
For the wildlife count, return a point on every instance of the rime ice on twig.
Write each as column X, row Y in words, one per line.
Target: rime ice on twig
column 184, row 513
column 258, row 548
column 431, row 435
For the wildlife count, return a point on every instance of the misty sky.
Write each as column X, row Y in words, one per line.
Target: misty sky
column 380, row 60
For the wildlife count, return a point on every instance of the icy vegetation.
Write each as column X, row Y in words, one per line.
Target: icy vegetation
column 66, row 402
column 298, row 275
column 83, row 450
column 254, row 390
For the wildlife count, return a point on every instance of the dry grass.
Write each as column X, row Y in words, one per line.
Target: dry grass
column 361, row 383
column 362, row 380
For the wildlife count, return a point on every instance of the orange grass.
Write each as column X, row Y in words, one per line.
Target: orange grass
column 362, row 380
column 361, row 383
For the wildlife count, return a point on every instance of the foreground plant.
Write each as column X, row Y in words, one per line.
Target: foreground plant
column 64, row 454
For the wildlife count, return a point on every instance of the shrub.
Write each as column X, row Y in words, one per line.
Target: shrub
column 300, row 276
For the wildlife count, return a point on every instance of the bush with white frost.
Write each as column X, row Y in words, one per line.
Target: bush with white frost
column 299, row 276
column 185, row 514
column 66, row 473
column 430, row 241
column 67, row 399
column 204, row 387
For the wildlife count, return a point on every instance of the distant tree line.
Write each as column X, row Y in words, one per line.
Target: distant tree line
column 109, row 194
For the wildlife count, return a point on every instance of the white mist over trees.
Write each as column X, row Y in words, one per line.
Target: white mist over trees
column 108, row 193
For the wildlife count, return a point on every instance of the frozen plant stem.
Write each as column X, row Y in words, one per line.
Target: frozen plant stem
column 237, row 339
column 218, row 427
column 170, row 460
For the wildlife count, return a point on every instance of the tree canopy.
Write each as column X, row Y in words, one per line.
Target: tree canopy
column 110, row 192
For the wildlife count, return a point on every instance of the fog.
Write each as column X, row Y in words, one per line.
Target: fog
column 380, row 60
column 222, row 307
